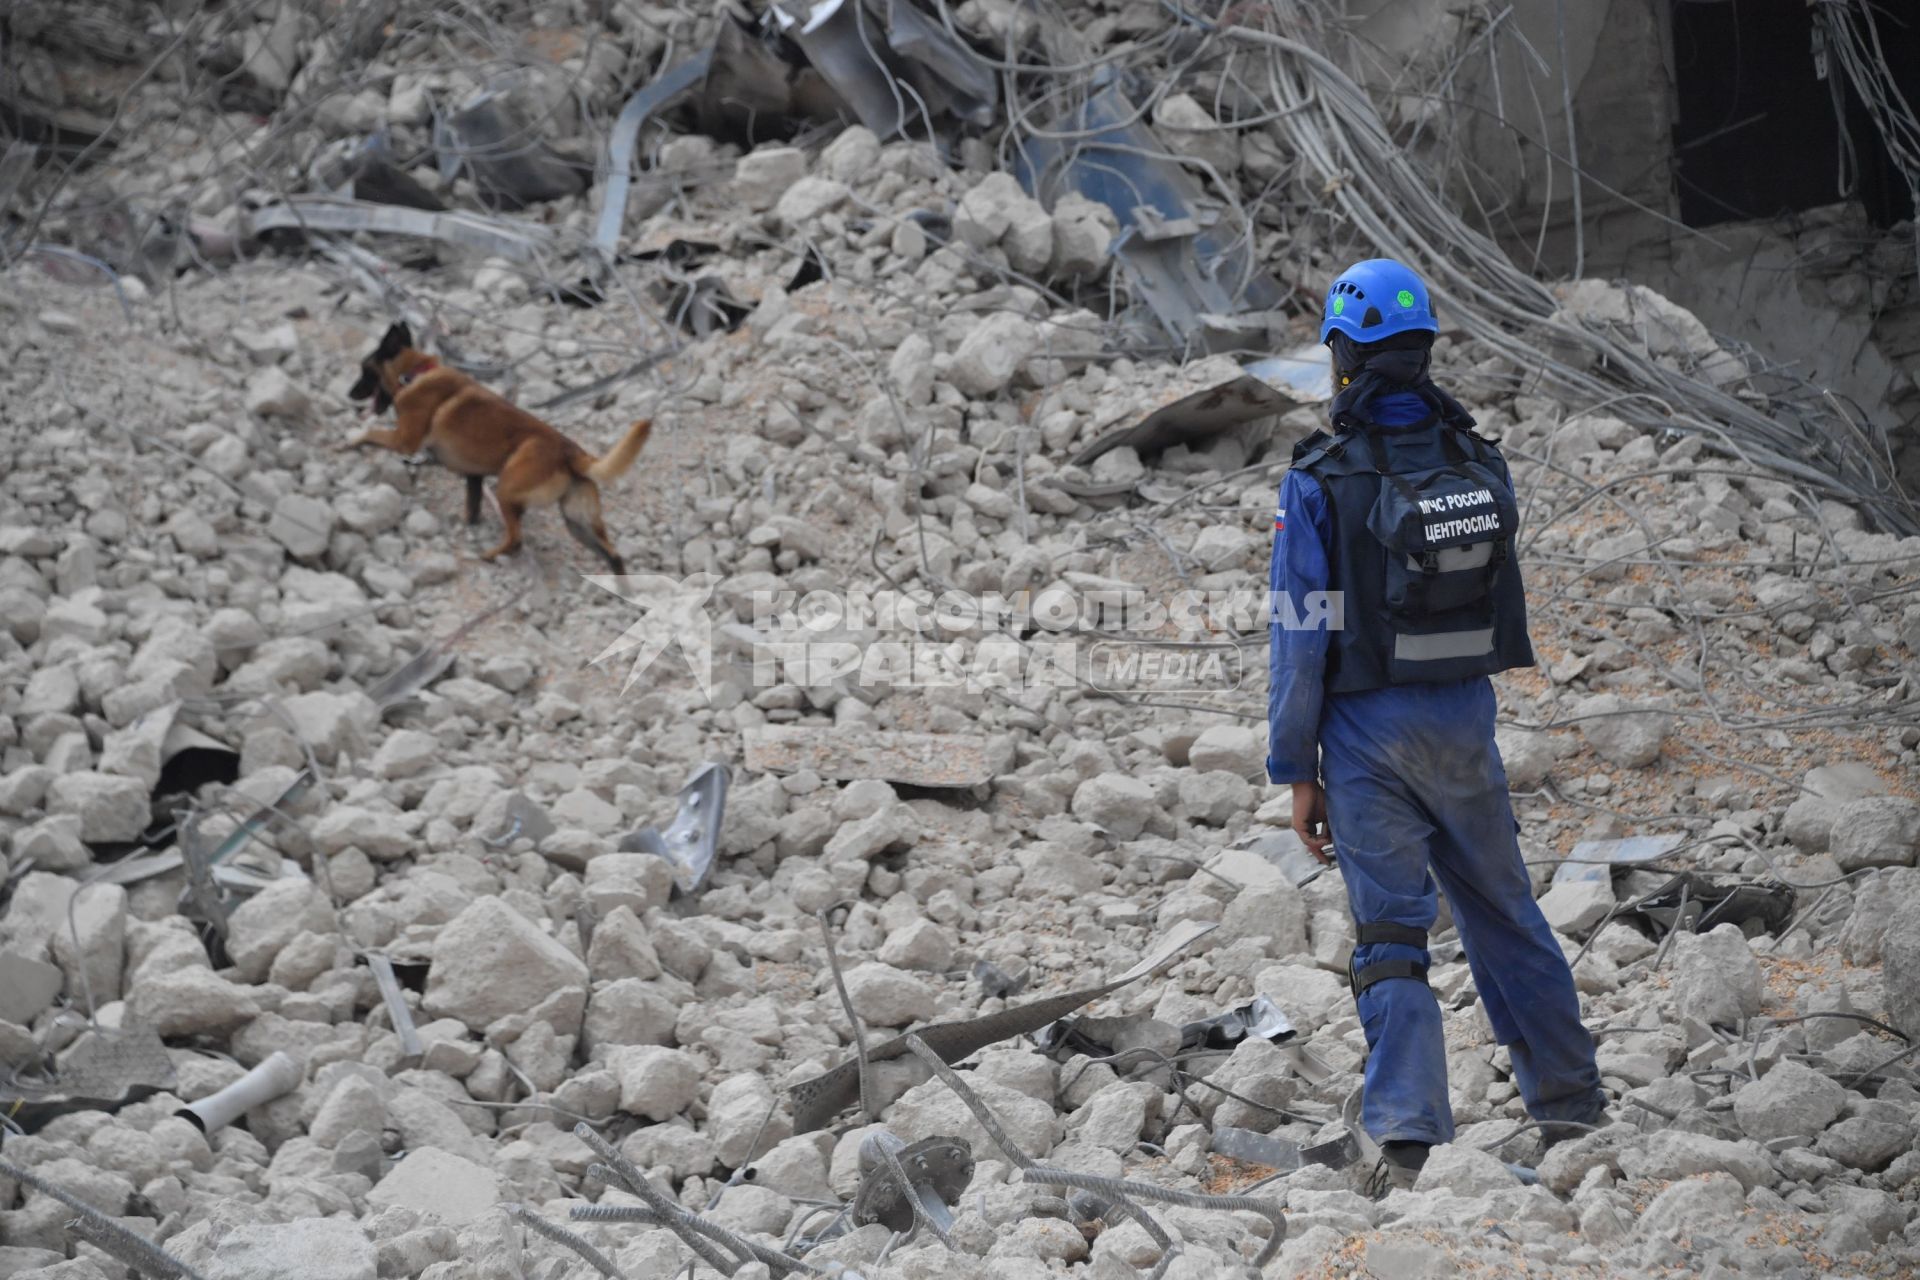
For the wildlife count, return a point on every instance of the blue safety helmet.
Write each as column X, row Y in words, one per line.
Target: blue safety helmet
column 1376, row 299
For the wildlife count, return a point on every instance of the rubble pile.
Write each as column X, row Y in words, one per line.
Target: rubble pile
column 349, row 876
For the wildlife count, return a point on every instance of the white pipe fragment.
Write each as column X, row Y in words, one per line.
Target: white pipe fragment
column 278, row 1075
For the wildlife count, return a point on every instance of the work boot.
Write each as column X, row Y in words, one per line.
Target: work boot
column 1555, row 1132
column 1399, row 1167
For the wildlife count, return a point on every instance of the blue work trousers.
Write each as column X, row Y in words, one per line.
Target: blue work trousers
column 1416, row 794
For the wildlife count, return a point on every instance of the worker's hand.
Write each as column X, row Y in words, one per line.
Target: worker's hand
column 1310, row 820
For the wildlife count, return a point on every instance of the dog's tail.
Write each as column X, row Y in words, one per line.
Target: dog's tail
column 615, row 464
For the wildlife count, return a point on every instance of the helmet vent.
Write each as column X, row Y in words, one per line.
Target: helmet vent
column 1370, row 319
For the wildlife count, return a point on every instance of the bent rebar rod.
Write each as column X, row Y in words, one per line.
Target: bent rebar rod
column 671, row 1215
column 777, row 1262
column 1119, row 1188
column 571, row 1239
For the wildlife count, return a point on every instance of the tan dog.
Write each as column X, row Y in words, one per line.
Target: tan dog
column 478, row 433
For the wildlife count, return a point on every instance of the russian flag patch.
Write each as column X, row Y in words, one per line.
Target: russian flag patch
column 1280, row 519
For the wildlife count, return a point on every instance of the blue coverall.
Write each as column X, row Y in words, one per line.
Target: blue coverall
column 1406, row 807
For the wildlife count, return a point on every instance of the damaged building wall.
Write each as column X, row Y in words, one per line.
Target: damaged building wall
column 1821, row 290
column 1488, row 96
column 1824, row 291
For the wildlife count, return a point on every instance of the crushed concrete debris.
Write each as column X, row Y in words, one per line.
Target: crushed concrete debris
column 348, row 872
column 907, row 759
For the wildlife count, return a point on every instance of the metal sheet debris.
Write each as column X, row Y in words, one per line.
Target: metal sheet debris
column 208, row 905
column 949, row 75
column 1194, row 419
column 213, row 888
column 434, row 660
column 148, row 865
column 1284, row 851
column 1303, row 373
column 938, row 1169
column 817, row 1101
column 1259, row 1019
column 1596, row 859
column 515, row 240
column 1311, row 1066
column 1335, row 1153
column 498, row 144
column 840, row 41
column 1697, row 904
column 397, row 1011
column 104, row 1069
column 1257, row 1148
column 1188, row 258
column 897, row 70
column 664, row 89
column 996, row 982
column 911, row 759
column 690, row 840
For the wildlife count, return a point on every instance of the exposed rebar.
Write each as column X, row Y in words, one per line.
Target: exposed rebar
column 1118, row 1188
column 135, row 1250
column 571, row 1239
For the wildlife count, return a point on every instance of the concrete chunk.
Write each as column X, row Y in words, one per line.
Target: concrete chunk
column 656, row 1082
column 1876, row 831
column 1574, row 907
column 313, row 1248
column 845, row 755
column 438, row 1184
column 188, row 1002
column 112, row 808
column 888, row 997
column 1232, row 748
column 874, row 834
column 1623, row 733
column 991, row 354
column 490, row 961
column 1715, row 977
column 27, row 986
column 1789, row 1101
column 1675, row 1153
column 1119, row 802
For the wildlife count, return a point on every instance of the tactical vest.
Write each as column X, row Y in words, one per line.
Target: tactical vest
column 1424, row 526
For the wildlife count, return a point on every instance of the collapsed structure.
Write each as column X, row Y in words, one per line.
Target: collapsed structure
column 358, row 922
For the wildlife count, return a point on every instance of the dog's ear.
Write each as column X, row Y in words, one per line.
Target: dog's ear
column 399, row 338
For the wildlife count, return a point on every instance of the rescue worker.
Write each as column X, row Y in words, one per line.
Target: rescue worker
column 1381, row 717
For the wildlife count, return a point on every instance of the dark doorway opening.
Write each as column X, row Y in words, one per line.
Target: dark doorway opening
column 1760, row 132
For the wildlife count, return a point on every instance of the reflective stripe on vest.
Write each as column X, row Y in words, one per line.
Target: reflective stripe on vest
column 1453, row 559
column 1442, row 644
